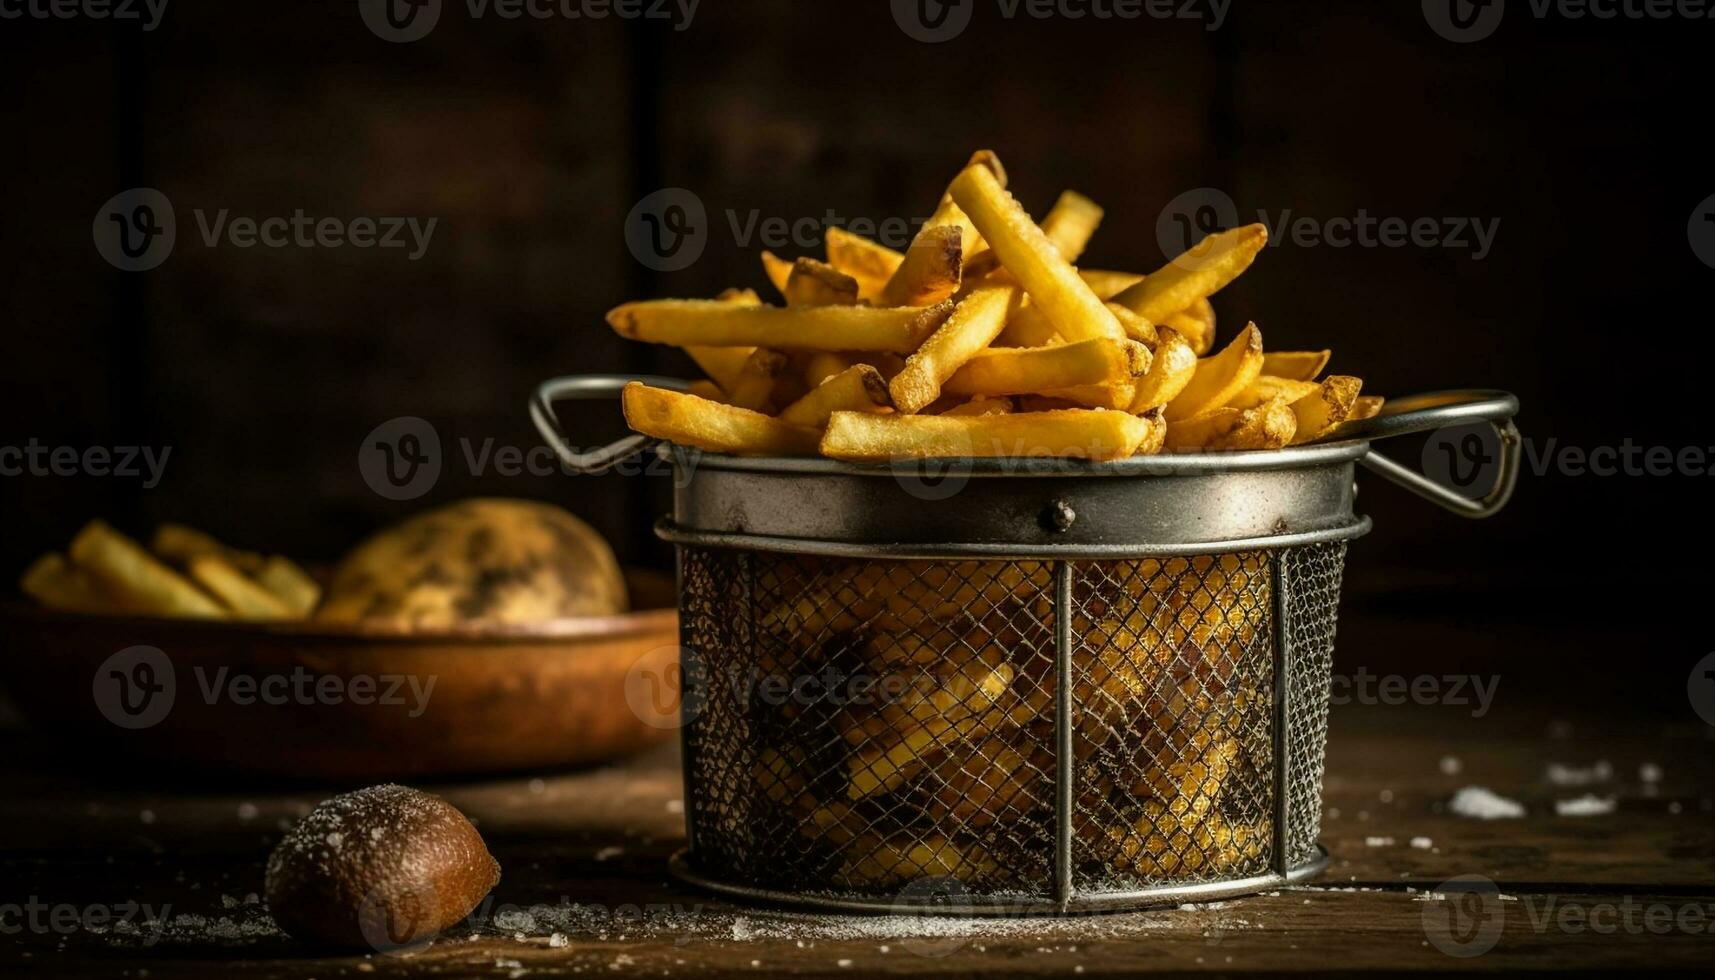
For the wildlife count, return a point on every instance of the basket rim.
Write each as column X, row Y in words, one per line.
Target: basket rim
column 1164, row 464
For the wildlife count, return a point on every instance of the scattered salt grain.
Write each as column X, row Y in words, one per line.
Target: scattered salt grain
column 843, row 964
column 1563, row 775
column 1674, row 808
column 1649, row 772
column 538, row 787
column 247, row 811
column 1378, row 841
column 1422, row 843
column 675, row 806
column 147, row 816
column 1482, row 803
column 1588, row 805
column 1386, row 796
column 609, row 853
column 1450, row 765
column 558, row 941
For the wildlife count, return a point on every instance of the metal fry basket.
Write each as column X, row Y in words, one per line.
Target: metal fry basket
column 1027, row 685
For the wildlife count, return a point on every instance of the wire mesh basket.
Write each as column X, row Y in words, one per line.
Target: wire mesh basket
column 973, row 686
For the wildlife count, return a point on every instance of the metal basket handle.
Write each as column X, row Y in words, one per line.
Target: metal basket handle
column 1438, row 410
column 589, row 387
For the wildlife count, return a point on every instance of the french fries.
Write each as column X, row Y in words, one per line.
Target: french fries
column 1198, row 274
column 859, row 388
column 984, row 338
column 1071, row 434
column 813, row 283
column 1318, row 412
column 687, row 420
column 184, row 573
column 1054, row 286
column 830, row 328
column 1221, row 378
column 140, row 581
column 246, row 598
column 1026, row 370
column 973, row 325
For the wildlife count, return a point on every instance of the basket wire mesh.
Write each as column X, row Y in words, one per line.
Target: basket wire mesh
column 1071, row 734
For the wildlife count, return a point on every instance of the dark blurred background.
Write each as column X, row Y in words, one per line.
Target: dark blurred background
column 530, row 140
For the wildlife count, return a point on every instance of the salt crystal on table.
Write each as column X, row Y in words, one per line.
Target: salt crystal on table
column 247, row 811
column 1588, row 805
column 1450, row 765
column 1482, row 803
column 1422, row 843
column 147, row 816
column 1649, row 772
column 675, row 806
column 1378, row 842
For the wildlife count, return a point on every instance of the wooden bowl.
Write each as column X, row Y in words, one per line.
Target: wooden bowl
column 468, row 700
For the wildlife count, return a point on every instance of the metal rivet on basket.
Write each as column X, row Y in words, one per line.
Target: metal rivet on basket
column 1059, row 517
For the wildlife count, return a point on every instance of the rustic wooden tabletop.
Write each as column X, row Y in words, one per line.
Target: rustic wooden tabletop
column 139, row 882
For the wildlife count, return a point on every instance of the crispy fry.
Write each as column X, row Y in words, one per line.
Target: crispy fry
column 1071, row 223
column 778, row 271
column 1029, row 328
column 1270, row 425
column 1366, row 407
column 1267, row 388
column 1028, row 370
column 1201, row 431
column 708, row 389
column 973, row 325
column 1326, row 407
column 58, row 584
column 1136, row 327
column 859, row 388
column 1199, row 273
column 754, row 388
column 1172, row 368
column 813, row 283
column 871, row 264
column 294, row 586
column 240, row 594
column 1054, row 286
column 687, row 420
column 981, row 406
column 989, row 781
column 1074, row 433
column 1219, row 379
column 1196, row 324
column 178, row 544
column 931, row 272
column 1107, row 284
column 1117, row 397
column 138, row 579
column 1296, row 365
column 821, row 365
column 723, row 365
column 831, row 328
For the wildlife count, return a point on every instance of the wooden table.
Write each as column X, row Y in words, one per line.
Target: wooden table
column 1635, row 888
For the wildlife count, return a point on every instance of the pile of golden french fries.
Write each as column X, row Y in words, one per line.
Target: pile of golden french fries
column 184, row 573
column 950, row 765
column 984, row 338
